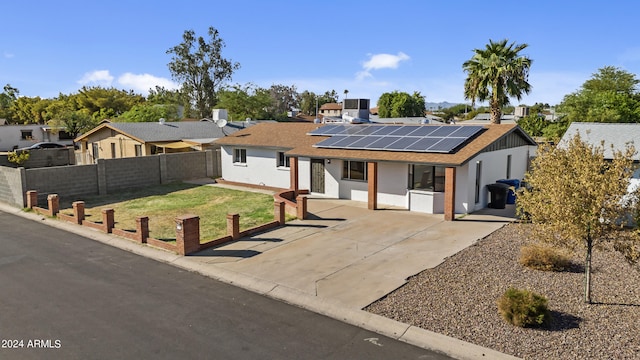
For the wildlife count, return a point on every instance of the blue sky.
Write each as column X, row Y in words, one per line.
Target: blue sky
column 367, row 47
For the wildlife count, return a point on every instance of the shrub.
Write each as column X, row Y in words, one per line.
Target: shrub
column 18, row 157
column 523, row 308
column 544, row 258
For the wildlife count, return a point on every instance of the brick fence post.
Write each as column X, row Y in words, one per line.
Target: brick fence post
column 233, row 226
column 187, row 234
column 78, row 211
column 32, row 199
column 107, row 220
column 301, row 207
column 278, row 212
column 53, row 201
column 142, row 228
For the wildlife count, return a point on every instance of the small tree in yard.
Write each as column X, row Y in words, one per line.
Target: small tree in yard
column 576, row 197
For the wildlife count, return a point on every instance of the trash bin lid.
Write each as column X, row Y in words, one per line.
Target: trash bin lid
column 498, row 186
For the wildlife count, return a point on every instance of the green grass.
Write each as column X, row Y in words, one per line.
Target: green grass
column 162, row 204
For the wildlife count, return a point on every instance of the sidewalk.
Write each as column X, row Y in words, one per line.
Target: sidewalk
column 335, row 263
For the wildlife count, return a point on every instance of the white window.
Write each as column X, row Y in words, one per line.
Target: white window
column 240, row 156
column 427, row 177
column 283, row 160
column 354, row 170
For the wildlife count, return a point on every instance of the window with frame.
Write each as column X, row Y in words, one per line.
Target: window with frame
column 426, row 177
column 283, row 160
column 63, row 135
column 354, row 170
column 138, row 148
column 26, row 134
column 240, row 156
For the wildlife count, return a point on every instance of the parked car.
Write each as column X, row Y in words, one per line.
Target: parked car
column 43, row 145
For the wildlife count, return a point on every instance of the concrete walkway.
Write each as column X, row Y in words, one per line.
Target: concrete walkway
column 340, row 260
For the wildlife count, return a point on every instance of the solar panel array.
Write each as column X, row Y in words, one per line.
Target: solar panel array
column 418, row 138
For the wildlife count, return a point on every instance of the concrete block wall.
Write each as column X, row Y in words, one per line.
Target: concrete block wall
column 127, row 173
column 70, row 182
column 184, row 166
column 12, row 189
column 107, row 176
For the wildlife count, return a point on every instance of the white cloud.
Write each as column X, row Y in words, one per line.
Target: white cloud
column 381, row 61
column 143, row 82
column 97, row 77
column 8, row 55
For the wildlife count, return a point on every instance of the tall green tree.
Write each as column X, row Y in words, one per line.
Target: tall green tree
column 496, row 73
column 611, row 95
column 283, row 99
column 8, row 96
column 245, row 101
column 30, row 110
column 401, row 104
column 105, row 103
column 577, row 198
column 150, row 113
column 199, row 65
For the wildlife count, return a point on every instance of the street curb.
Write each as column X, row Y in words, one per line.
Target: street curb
column 388, row 327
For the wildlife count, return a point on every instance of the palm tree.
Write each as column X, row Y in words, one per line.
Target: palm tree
column 345, row 93
column 495, row 73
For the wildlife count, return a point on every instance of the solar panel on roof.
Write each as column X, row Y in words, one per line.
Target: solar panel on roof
column 367, row 130
column 347, row 140
column 402, row 143
column 467, row 131
column 446, row 144
column 330, row 141
column 422, row 138
column 404, row 131
column 422, row 144
column 444, row 131
column 366, row 140
column 381, row 144
column 322, row 130
column 386, row 129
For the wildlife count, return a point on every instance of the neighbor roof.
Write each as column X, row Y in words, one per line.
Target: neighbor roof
column 613, row 134
column 294, row 136
column 168, row 131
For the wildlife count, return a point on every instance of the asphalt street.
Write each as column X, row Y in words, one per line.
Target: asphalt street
column 63, row 296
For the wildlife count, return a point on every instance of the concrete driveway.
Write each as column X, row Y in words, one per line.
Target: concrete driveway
column 350, row 254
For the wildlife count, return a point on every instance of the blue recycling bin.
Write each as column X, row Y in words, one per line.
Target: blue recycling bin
column 515, row 185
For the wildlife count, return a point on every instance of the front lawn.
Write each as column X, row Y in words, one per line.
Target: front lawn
column 163, row 203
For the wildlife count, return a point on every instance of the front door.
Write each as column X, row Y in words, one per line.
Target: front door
column 317, row 176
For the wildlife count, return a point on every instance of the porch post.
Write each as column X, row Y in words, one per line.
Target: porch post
column 449, row 194
column 372, row 182
column 293, row 174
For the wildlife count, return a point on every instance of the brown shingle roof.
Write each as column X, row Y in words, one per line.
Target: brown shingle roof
column 294, row 136
column 331, row 106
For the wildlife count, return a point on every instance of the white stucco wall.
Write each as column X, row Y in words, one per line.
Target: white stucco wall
column 260, row 169
column 393, row 179
column 494, row 167
column 11, row 136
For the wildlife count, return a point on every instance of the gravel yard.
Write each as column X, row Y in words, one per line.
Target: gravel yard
column 458, row 299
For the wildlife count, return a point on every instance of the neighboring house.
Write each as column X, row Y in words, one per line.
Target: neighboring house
column 612, row 137
column 331, row 109
column 20, row 136
column 111, row 140
column 615, row 135
column 383, row 168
